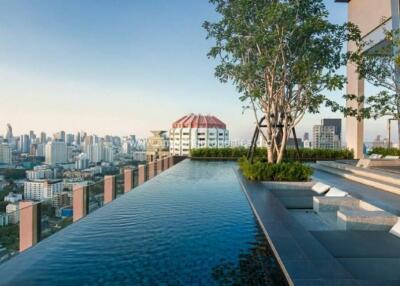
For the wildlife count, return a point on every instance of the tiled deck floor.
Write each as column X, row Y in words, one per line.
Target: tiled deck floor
column 384, row 200
column 312, row 252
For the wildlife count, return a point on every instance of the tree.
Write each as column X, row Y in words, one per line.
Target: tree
column 281, row 55
column 380, row 68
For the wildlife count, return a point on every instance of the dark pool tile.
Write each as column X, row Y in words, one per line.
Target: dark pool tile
column 301, row 269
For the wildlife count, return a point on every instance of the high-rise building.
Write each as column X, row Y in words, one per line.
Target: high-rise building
column 43, row 138
column 10, row 137
column 78, row 138
column 9, row 133
column 32, row 135
column 5, row 153
column 336, row 122
column 60, row 136
column 99, row 152
column 69, row 139
column 197, row 131
column 42, row 189
column 82, row 161
column 324, row 137
column 24, row 143
column 40, row 150
column 126, row 147
column 56, row 153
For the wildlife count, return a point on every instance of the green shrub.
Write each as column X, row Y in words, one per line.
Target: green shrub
column 290, row 153
column 262, row 171
column 385, row 151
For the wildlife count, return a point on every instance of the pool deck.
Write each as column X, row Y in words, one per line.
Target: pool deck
column 327, row 257
column 388, row 201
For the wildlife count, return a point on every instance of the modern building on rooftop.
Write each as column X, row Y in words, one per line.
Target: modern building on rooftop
column 197, row 131
column 374, row 18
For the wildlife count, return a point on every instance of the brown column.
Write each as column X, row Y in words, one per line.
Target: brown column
column 141, row 174
column 165, row 163
column 171, row 161
column 110, row 189
column 159, row 166
column 80, row 202
column 355, row 128
column 128, row 180
column 150, row 170
column 29, row 224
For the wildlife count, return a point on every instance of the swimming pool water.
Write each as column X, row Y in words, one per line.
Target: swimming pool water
column 191, row 225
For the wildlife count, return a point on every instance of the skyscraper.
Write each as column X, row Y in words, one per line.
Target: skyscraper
column 9, row 134
column 24, row 143
column 324, row 137
column 43, row 138
column 10, row 137
column 5, row 153
column 335, row 122
column 56, row 153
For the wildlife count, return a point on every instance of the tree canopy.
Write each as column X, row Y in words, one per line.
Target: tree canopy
column 282, row 55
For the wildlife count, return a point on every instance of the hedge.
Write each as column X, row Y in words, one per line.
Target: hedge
column 385, row 151
column 286, row 171
column 290, row 153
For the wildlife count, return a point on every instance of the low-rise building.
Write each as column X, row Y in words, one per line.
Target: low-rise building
column 40, row 190
column 12, row 213
column 40, row 173
column 13, row 198
column 3, row 219
column 197, row 131
column 157, row 146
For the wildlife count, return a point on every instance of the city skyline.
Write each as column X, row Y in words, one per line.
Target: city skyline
column 97, row 73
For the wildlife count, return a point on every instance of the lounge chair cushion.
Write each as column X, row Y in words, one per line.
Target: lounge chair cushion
column 396, row 229
column 392, row 157
column 335, row 192
column 375, row 156
column 320, row 188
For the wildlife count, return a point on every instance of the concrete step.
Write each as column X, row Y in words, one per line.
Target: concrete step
column 350, row 219
column 383, row 183
column 373, row 174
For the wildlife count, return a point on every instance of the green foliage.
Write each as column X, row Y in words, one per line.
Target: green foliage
column 281, row 172
column 282, row 56
column 13, row 174
column 385, row 151
column 290, row 153
column 379, row 69
column 9, row 237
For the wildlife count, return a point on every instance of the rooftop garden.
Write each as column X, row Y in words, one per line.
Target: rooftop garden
column 283, row 57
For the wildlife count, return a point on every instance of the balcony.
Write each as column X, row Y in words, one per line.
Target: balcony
column 375, row 41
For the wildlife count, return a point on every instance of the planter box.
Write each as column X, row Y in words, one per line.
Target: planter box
column 293, row 195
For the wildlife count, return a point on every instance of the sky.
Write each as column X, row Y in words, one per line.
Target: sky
column 118, row 67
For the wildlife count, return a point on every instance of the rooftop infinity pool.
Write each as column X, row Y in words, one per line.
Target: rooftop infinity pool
column 190, row 225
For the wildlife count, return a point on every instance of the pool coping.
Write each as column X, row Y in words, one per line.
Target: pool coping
column 302, row 258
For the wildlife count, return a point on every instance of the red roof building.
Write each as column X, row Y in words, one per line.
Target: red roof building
column 199, row 121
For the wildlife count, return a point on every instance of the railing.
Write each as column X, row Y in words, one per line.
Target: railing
column 377, row 35
column 35, row 221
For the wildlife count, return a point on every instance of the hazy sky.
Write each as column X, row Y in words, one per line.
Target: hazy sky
column 116, row 67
